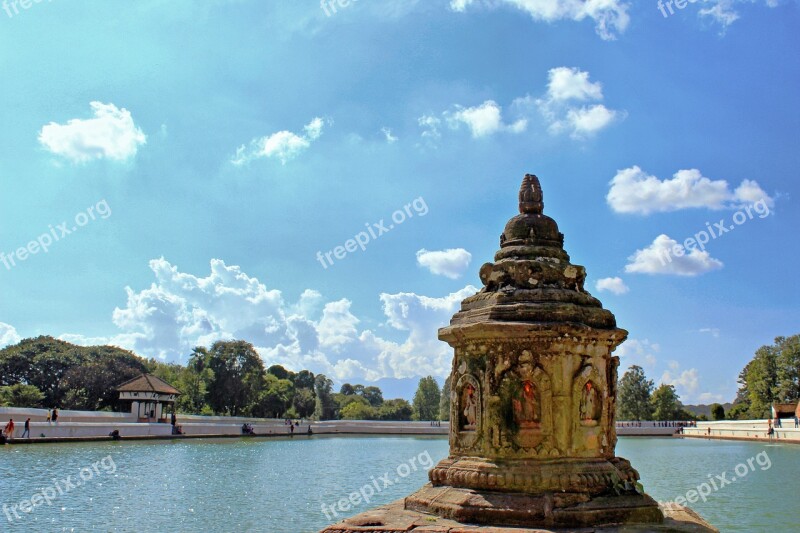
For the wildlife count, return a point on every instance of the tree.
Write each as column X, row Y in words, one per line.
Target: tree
column 347, row 390
column 304, row 402
column 665, row 403
column 717, row 412
column 304, row 380
column 633, row 400
column 279, row 372
column 358, row 409
column 325, row 407
column 398, row 409
column 444, row 402
column 373, row 395
column 238, row 377
column 426, row 399
column 21, row 396
column 274, row 398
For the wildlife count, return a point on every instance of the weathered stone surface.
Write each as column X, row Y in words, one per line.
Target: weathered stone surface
column 395, row 518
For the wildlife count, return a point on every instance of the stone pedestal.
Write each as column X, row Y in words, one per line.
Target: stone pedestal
column 533, row 397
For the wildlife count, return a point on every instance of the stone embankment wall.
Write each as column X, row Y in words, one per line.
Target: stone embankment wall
column 88, row 424
column 744, row 430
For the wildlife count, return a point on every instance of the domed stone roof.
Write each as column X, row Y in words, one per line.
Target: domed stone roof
column 532, row 280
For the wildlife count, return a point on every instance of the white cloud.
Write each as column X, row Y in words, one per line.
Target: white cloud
column 565, row 107
column 8, row 335
column 610, row 16
column 714, row 332
column 660, row 258
column 283, row 145
column 483, row 120
column 111, row 134
column 614, row 285
column 387, row 133
column 450, row 263
column 180, row 311
column 634, row 191
column 686, row 382
column 724, row 13
column 709, row 397
column 638, row 352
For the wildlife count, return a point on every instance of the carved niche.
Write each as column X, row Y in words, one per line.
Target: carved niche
column 468, row 409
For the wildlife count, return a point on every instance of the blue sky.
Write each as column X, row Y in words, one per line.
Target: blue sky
column 202, row 156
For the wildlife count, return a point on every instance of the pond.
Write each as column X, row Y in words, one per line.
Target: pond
column 295, row 485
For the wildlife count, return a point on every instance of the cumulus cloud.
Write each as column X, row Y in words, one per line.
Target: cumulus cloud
column 634, row 191
column 638, row 352
column 661, row 258
column 8, row 335
column 686, row 382
column 614, row 285
column 571, row 104
column 111, row 134
column 610, row 16
column 483, row 120
column 283, row 145
column 180, row 311
column 450, row 263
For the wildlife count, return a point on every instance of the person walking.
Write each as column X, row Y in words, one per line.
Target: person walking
column 9, row 429
column 27, row 429
column 796, row 421
column 55, row 415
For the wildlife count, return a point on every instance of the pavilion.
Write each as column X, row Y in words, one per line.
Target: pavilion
column 150, row 397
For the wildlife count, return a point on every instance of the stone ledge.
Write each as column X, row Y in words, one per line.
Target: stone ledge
column 393, row 518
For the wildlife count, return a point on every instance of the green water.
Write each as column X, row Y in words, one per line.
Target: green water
column 280, row 486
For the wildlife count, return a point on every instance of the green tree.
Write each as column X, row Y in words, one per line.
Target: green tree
column 398, row 409
column 304, row 380
column 717, row 412
column 444, row 401
column 238, row 377
column 426, row 399
column 665, row 403
column 325, row 407
column 633, row 400
column 373, row 395
column 358, row 409
column 274, row 398
column 347, row 390
column 304, row 402
column 279, row 372
column 20, row 395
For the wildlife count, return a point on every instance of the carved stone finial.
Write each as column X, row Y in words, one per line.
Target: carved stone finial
column 531, row 200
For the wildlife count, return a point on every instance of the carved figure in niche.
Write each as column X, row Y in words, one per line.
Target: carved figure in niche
column 470, row 404
column 526, row 406
column 589, row 404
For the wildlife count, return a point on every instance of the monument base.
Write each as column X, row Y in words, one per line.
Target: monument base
column 395, row 518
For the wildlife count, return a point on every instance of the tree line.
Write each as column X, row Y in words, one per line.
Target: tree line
column 227, row 378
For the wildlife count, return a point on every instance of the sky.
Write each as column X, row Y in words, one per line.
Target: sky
column 325, row 180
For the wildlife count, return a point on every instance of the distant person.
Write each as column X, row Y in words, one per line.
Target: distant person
column 796, row 421
column 778, row 422
column 27, row 429
column 310, row 431
column 770, row 429
column 49, row 415
column 174, row 419
column 9, row 429
column 55, row 415
column 114, row 434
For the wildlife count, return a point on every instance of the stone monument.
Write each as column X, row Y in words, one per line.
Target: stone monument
column 532, row 405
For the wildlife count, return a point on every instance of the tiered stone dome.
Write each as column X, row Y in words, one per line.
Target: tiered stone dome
column 532, row 279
